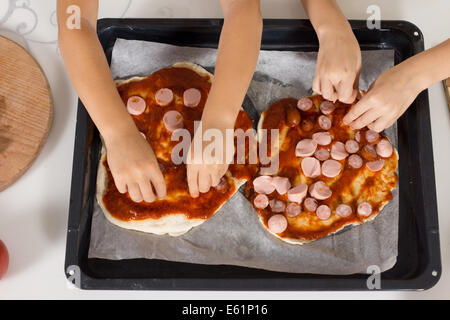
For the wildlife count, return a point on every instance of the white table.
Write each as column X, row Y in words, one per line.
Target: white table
column 33, row 212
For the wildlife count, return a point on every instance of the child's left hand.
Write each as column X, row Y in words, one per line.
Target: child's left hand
column 386, row 100
column 338, row 65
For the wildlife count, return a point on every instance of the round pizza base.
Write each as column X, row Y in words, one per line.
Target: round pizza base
column 174, row 224
column 303, row 241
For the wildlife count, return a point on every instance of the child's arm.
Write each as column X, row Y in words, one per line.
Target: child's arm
column 339, row 58
column 239, row 45
column 131, row 159
column 395, row 89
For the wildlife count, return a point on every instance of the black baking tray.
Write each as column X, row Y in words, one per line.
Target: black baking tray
column 418, row 264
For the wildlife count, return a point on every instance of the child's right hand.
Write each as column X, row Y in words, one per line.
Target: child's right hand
column 134, row 166
column 338, row 65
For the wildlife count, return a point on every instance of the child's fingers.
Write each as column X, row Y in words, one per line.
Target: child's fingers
column 390, row 123
column 204, row 181
column 316, row 85
column 159, row 183
column 120, row 184
column 220, row 172
column 192, row 179
column 328, row 90
column 354, row 96
column 223, row 170
column 367, row 118
column 356, row 111
column 378, row 125
column 134, row 192
column 345, row 90
column 215, row 179
column 147, row 191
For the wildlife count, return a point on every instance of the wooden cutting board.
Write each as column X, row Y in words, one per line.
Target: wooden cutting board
column 26, row 111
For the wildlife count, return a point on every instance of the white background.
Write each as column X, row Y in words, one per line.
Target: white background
column 33, row 212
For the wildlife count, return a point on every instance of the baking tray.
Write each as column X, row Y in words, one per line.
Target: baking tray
column 418, row 264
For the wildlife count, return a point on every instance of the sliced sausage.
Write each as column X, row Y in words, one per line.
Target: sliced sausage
column 324, row 122
column 277, row 223
column 310, row 204
column 343, row 210
column 338, row 151
column 281, row 184
column 292, row 116
column 277, row 205
column 192, row 97
column 304, row 104
column 376, row 165
column 322, row 138
column 358, row 136
column 372, row 136
column 261, row 201
column 355, row 161
column 323, row 212
column 164, row 97
column 365, row 209
column 384, row 148
column 327, row 107
column 263, row 184
column 331, row 168
column 297, row 193
column 322, row 154
column 307, row 125
column 305, row 148
column 351, row 146
column 136, row 105
column 293, row 209
column 173, row 120
column 311, row 167
column 320, row 190
column 368, row 152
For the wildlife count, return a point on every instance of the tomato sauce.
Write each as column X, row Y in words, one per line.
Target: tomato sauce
column 178, row 200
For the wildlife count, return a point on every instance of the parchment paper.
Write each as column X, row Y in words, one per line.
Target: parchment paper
column 234, row 235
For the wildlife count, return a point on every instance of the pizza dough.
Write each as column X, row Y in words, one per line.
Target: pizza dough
column 339, row 177
column 178, row 212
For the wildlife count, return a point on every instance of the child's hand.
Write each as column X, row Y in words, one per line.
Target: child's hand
column 338, row 65
column 134, row 167
column 386, row 100
column 201, row 177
